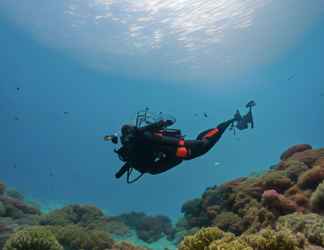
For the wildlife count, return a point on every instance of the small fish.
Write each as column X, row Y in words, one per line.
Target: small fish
column 16, row 118
column 291, row 77
column 14, row 166
column 18, row 88
column 216, row 163
column 66, row 113
column 206, row 115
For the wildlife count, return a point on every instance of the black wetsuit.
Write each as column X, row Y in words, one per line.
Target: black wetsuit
column 154, row 153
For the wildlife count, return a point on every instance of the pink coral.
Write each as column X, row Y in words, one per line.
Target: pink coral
column 278, row 203
column 270, row 194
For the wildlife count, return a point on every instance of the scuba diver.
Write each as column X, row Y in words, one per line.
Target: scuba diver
column 154, row 148
column 244, row 121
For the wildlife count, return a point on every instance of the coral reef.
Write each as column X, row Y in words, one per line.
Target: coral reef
column 75, row 237
column 276, row 180
column 278, row 209
column 148, row 228
column 83, row 215
column 228, row 221
column 72, row 237
column 126, row 246
column 192, row 207
column 317, row 198
column 268, row 239
column 2, row 188
column 3, row 210
column 182, row 230
column 33, row 238
column 17, row 208
column 132, row 219
column 202, row 239
column 74, row 227
column 13, row 193
column 278, row 203
column 311, row 178
column 294, row 149
column 309, row 157
column 14, row 213
column 153, row 228
column 213, row 238
column 250, row 204
column 311, row 225
column 7, row 227
column 118, row 228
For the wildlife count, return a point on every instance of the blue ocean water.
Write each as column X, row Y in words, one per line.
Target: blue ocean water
column 52, row 127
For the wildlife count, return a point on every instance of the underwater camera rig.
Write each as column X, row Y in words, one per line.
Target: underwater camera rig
column 243, row 122
column 144, row 117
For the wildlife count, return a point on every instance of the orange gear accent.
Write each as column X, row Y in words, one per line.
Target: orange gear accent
column 182, row 152
column 181, row 142
column 211, row 133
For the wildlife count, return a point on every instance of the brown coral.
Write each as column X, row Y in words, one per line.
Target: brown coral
column 13, row 193
column 311, row 225
column 148, row 228
column 257, row 218
column 301, row 200
column 117, row 228
column 317, row 198
column 75, row 237
column 126, row 246
column 276, row 180
column 311, row 178
column 294, row 149
column 228, row 221
column 7, row 227
column 2, row 188
column 212, row 211
column 309, row 157
column 294, row 169
column 18, row 206
column 32, row 238
column 153, row 228
column 83, row 215
column 192, row 207
column 267, row 239
column 293, row 190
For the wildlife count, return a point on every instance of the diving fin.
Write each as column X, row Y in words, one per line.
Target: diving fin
column 122, row 171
